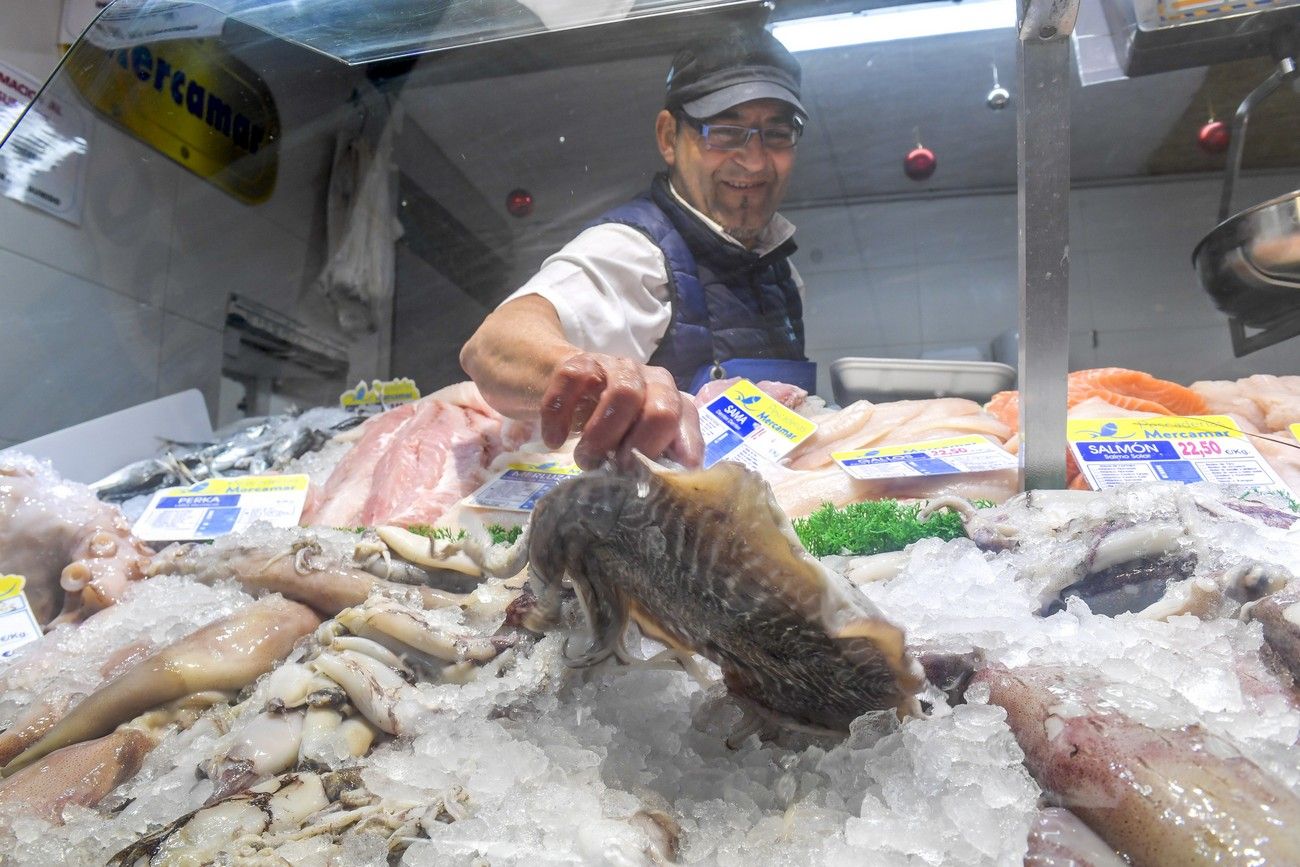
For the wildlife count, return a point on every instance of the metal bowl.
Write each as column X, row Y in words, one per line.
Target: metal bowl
column 1250, row 263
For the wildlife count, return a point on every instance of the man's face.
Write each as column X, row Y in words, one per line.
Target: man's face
column 738, row 189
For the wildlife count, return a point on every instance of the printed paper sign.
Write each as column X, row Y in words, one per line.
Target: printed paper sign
column 520, row 487
column 380, row 394
column 968, row 454
column 215, row 507
column 745, row 425
column 43, row 162
column 1211, row 448
column 18, row 626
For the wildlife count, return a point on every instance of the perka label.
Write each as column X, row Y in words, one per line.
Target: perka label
column 215, row 507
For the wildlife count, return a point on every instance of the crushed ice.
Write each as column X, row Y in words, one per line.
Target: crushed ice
column 542, row 765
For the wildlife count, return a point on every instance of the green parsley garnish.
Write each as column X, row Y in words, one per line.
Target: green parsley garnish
column 436, row 532
column 504, row 535
column 872, row 528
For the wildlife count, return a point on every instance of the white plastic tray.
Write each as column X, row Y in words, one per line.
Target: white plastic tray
column 884, row 379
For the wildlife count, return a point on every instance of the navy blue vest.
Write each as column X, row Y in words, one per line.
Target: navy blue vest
column 727, row 302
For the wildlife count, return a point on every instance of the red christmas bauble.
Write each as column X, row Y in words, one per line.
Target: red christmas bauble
column 519, row 203
column 1213, row 138
column 920, row 163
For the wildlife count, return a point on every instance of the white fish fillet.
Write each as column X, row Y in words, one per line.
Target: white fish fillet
column 865, row 425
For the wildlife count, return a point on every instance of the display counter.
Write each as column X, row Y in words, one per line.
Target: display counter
column 1010, row 579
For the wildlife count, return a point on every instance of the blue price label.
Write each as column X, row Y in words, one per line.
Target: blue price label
column 1137, row 450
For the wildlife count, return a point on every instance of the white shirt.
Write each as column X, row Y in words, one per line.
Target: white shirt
column 609, row 285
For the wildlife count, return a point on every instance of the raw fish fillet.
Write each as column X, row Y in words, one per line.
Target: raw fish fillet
column 412, row 463
column 1270, row 403
column 1123, row 389
column 802, row 492
column 340, row 502
column 438, row 458
column 1282, row 452
column 865, row 425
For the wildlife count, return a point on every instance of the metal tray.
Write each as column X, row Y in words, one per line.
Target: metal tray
column 884, row 379
column 1250, row 263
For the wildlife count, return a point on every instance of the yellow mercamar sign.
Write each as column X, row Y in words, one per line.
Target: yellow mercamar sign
column 191, row 101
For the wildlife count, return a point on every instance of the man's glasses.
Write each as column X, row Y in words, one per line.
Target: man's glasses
column 725, row 137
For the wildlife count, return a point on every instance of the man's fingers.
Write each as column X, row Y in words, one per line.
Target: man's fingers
column 616, row 413
column 688, row 446
column 661, row 413
column 570, row 397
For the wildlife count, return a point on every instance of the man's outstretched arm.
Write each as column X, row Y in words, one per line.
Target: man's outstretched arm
column 526, row 368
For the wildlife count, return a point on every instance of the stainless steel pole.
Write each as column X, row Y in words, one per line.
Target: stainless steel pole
column 1043, row 195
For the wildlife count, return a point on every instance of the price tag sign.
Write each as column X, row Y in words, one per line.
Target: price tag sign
column 1210, row 448
column 18, row 626
column 521, row 485
column 968, row 454
column 215, row 507
column 380, row 394
column 745, row 425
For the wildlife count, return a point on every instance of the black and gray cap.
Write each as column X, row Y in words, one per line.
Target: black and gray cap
column 710, row 76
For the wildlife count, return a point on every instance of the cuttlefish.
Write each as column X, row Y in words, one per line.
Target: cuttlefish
column 706, row 562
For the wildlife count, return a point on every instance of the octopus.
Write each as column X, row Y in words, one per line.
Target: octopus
column 76, row 553
column 706, row 562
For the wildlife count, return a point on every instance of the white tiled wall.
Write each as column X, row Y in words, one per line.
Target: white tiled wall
column 909, row 278
column 129, row 305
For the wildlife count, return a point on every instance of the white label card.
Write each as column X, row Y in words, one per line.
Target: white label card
column 968, row 454
column 521, row 485
column 215, row 507
column 746, row 425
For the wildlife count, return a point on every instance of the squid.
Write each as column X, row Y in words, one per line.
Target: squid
column 81, row 774
column 1058, row 839
column 225, row 655
column 1162, row 798
column 1279, row 614
column 303, row 571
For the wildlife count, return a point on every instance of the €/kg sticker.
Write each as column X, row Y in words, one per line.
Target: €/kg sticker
column 18, row 626
column 521, row 485
column 1210, row 448
column 748, row 426
column 215, row 507
column 966, row 454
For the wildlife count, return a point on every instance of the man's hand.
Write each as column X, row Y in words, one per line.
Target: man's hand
column 619, row 405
